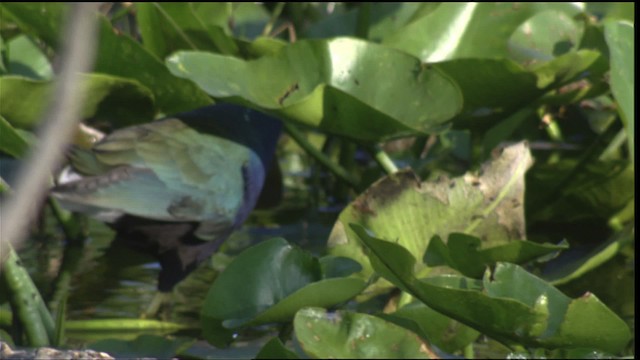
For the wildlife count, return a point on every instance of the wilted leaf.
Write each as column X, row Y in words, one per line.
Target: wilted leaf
column 401, row 209
column 344, row 334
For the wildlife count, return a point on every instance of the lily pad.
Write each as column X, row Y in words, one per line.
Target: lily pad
column 334, row 85
column 462, row 252
column 509, row 305
column 122, row 101
column 27, row 59
column 269, row 283
column 620, row 38
column 401, row 209
column 11, row 142
column 344, row 334
column 467, row 30
column 116, row 54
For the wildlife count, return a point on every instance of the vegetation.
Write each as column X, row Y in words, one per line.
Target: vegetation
column 508, row 230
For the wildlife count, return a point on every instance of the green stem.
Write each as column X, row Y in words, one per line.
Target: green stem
column 277, row 10
column 468, row 352
column 614, row 146
column 347, row 161
column 340, row 172
column 383, row 159
column 28, row 307
column 363, row 20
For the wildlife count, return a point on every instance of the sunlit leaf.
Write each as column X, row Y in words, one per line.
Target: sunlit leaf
column 401, row 209
column 334, row 85
column 26, row 59
column 510, row 305
column 440, row 330
column 269, row 283
column 122, row 101
column 467, row 30
column 462, row 252
column 344, row 334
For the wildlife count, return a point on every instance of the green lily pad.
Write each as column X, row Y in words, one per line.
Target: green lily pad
column 345, row 334
column 116, row 54
column 43, row 19
column 440, row 330
column 11, row 142
column 120, row 55
column 401, row 209
column 467, row 30
column 510, row 305
column 599, row 190
column 546, row 35
column 143, row 346
column 462, row 252
column 26, row 59
column 269, row 283
column 122, row 101
column 275, row 349
column 620, row 38
column 168, row 27
column 334, row 85
column 572, row 270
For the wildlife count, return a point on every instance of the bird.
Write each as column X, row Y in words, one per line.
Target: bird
column 177, row 187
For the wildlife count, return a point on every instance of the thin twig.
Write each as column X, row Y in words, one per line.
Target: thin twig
column 60, row 120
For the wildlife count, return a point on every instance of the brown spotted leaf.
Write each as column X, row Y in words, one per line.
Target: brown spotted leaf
column 402, row 209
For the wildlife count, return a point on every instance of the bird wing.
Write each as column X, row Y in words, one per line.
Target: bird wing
column 165, row 170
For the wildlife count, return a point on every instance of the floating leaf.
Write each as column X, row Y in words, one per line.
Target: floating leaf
column 275, row 349
column 26, row 59
column 510, row 305
column 120, row 100
column 620, row 38
column 440, row 330
column 401, row 209
column 269, row 283
column 462, row 252
column 334, row 85
column 11, row 142
column 467, row 30
column 344, row 334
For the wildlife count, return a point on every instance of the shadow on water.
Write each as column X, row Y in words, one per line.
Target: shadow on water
column 106, row 281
